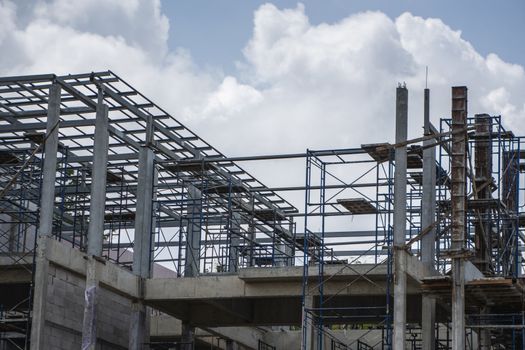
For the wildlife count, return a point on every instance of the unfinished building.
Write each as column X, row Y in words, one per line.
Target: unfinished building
column 122, row 229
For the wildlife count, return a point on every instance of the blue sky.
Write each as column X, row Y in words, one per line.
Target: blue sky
column 216, row 31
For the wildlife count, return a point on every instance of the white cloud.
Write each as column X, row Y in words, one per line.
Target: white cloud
column 300, row 85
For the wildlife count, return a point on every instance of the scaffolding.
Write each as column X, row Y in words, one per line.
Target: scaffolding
column 494, row 237
column 210, row 217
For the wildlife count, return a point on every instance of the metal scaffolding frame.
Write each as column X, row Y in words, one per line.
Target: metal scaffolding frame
column 210, row 216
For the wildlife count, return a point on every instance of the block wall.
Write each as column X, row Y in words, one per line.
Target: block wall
column 65, row 308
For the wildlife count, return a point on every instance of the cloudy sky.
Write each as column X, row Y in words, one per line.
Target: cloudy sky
column 254, row 77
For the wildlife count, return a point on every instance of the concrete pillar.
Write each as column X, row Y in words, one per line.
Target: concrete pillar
column 428, row 217
column 188, row 337
column 483, row 173
column 252, row 237
column 96, row 222
column 484, row 334
column 193, row 232
column 142, row 262
column 193, row 247
column 400, row 200
column 458, row 202
column 45, row 229
column 231, row 345
column 252, row 233
column 308, row 336
column 97, row 204
column 235, row 241
column 483, row 226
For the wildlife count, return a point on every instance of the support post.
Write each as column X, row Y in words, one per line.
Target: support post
column 142, row 262
column 96, row 222
column 483, row 190
column 309, row 324
column 458, row 202
column 45, row 229
column 428, row 241
column 483, row 226
column 192, row 261
column 235, row 241
column 188, row 337
column 193, row 232
column 231, row 345
column 400, row 199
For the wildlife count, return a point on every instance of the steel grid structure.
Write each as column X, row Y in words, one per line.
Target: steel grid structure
column 225, row 187
column 494, row 234
column 209, row 216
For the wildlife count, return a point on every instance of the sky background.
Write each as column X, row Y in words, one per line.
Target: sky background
column 216, row 31
column 254, row 77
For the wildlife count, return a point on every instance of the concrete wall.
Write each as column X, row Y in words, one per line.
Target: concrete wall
column 64, row 313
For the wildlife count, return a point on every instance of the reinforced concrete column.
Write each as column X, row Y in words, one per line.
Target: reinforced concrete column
column 45, row 228
column 193, row 232
column 428, row 218
column 97, row 207
column 235, row 241
column 188, row 337
column 251, row 233
column 308, row 341
column 231, row 345
column 192, row 261
column 400, row 199
column 458, row 202
column 142, row 262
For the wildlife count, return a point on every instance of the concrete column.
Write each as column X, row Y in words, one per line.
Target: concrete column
column 193, row 232
column 45, row 229
column 97, row 204
column 235, row 241
column 144, row 214
column 483, row 226
column 231, row 345
column 400, row 200
column 251, row 233
column 188, row 337
column 252, row 237
column 193, row 247
column 484, row 334
column 458, row 202
column 96, row 222
column 89, row 324
column 428, row 217
column 308, row 336
column 138, row 327
column 483, row 173
column 142, row 262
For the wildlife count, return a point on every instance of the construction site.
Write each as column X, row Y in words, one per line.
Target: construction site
column 120, row 228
